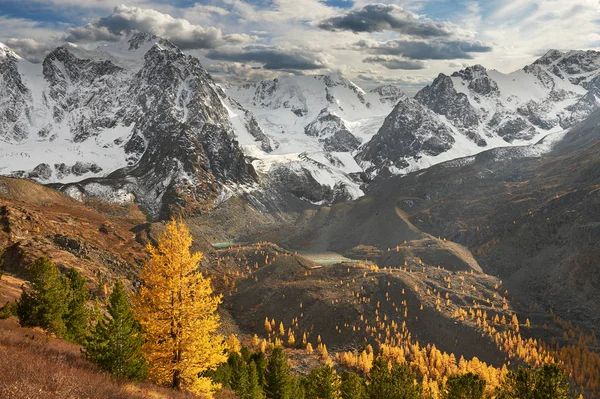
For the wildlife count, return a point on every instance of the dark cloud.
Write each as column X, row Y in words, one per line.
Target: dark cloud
column 381, row 17
column 30, row 49
column 181, row 32
column 272, row 57
column 425, row 50
column 396, row 63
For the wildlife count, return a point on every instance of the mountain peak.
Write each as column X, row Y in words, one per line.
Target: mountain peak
column 139, row 38
column 549, row 57
column 6, row 51
column 471, row 72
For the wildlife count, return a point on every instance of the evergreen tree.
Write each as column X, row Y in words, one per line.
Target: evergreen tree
column 551, row 382
column 77, row 315
column 465, row 386
column 239, row 373
column 261, row 362
column 44, row 303
column 352, row 387
column 178, row 312
column 279, row 382
column 323, row 383
column 526, row 383
column 116, row 341
column 403, row 382
column 297, row 390
column 253, row 389
column 399, row 383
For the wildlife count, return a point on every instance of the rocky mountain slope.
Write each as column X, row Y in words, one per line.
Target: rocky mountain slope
column 484, row 109
column 315, row 124
column 139, row 120
column 133, row 120
column 531, row 220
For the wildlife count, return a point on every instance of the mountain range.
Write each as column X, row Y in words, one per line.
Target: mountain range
column 139, row 120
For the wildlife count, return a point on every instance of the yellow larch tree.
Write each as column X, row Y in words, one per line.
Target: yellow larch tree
column 177, row 310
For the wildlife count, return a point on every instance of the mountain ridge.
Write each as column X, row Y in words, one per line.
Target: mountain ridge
column 139, row 120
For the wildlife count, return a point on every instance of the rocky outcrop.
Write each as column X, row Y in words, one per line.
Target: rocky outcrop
column 163, row 122
column 410, row 132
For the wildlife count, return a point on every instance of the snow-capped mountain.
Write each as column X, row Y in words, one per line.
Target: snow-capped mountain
column 483, row 109
column 140, row 120
column 315, row 125
column 137, row 119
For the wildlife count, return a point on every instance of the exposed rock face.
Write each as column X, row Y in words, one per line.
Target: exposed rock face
column 443, row 99
column 389, row 94
column 141, row 121
column 332, row 132
column 479, row 81
column 315, row 124
column 15, row 103
column 408, row 133
column 485, row 109
column 164, row 120
column 302, row 184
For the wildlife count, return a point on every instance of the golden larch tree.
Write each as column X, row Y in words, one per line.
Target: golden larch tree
column 177, row 310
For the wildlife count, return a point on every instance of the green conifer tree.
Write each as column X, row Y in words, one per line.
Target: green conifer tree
column 261, row 362
column 397, row 383
column 323, row 383
column 465, row 386
column 44, row 303
column 279, row 382
column 526, row 383
column 253, row 389
column 239, row 373
column 77, row 315
column 352, row 387
column 116, row 341
column 297, row 390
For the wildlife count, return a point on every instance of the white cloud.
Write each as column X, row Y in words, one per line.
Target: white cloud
column 30, row 49
column 181, row 32
column 250, row 37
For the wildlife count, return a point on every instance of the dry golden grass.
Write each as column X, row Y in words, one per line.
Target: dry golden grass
column 34, row 365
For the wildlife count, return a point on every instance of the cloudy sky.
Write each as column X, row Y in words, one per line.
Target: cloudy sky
column 407, row 42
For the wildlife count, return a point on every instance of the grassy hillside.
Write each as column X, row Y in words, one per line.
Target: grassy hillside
column 35, row 365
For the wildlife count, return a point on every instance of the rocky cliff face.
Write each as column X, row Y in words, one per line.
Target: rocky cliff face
column 139, row 120
column 484, row 109
column 149, row 126
column 409, row 133
column 15, row 111
column 315, row 124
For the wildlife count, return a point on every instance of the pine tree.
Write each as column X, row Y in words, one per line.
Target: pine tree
column 297, row 390
column 116, row 341
column 526, row 383
column 551, row 382
column 397, row 383
column 261, row 362
column 352, row 387
column 253, row 389
column 279, row 384
column 44, row 303
column 239, row 373
column 465, row 386
column 77, row 314
column 177, row 310
column 323, row 383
